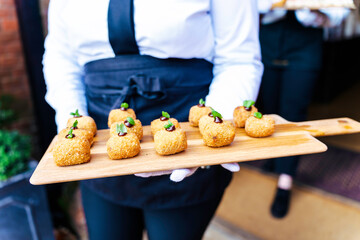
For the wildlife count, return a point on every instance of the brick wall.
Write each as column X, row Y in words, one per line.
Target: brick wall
column 13, row 76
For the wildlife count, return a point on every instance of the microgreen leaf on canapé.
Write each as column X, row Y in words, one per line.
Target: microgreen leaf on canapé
column 130, row 120
column 75, row 124
column 248, row 103
column 70, row 134
column 258, row 115
column 76, row 113
column 201, row 101
column 125, row 105
column 168, row 125
column 121, row 128
column 215, row 114
column 165, row 114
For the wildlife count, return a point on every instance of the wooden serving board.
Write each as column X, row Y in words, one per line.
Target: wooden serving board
column 289, row 139
column 313, row 4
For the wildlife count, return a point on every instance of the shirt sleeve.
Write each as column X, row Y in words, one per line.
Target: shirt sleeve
column 63, row 75
column 237, row 58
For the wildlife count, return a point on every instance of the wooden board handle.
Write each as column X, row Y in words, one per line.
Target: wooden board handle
column 326, row 127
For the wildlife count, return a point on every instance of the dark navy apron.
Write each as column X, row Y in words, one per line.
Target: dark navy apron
column 149, row 85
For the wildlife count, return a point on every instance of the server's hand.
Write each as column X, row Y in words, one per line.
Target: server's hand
column 178, row 175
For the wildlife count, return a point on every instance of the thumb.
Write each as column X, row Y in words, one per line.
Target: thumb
column 179, row 174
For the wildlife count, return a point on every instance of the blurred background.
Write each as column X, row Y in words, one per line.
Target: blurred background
column 325, row 203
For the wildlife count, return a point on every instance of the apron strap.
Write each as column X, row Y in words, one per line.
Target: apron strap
column 121, row 27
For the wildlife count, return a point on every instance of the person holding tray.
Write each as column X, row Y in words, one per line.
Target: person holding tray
column 157, row 56
column 291, row 45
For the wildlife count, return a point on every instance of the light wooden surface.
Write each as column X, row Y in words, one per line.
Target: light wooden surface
column 313, row 4
column 289, row 139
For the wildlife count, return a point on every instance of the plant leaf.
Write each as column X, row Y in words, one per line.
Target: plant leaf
column 75, row 124
column 125, row 105
column 248, row 103
column 70, row 134
column 76, row 113
column 258, row 115
column 130, row 120
column 201, row 101
column 169, row 124
column 165, row 114
column 123, row 128
column 216, row 114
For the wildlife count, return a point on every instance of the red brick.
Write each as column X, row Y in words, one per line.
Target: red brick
column 10, row 25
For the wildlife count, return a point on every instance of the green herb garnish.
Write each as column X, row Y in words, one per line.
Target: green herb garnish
column 258, row 115
column 70, row 134
column 125, row 105
column 75, row 124
column 76, row 113
column 201, row 101
column 248, row 103
column 121, row 128
column 216, row 114
column 165, row 114
column 169, row 124
column 130, row 120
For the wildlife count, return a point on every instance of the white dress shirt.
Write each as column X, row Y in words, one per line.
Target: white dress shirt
column 222, row 32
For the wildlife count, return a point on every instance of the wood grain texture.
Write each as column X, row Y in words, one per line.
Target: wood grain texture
column 289, row 139
column 313, row 4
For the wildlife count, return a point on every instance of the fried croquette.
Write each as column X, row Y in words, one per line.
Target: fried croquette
column 204, row 120
column 123, row 146
column 218, row 134
column 78, row 132
column 85, row 122
column 118, row 115
column 259, row 126
column 158, row 124
column 241, row 114
column 71, row 151
column 197, row 111
column 137, row 128
column 170, row 142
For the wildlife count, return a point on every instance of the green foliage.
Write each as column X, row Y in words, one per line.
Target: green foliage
column 216, row 114
column 258, row 115
column 248, row 103
column 201, row 101
column 130, row 120
column 168, row 125
column 121, row 129
column 70, row 134
column 7, row 115
column 165, row 114
column 125, row 105
column 14, row 153
column 75, row 114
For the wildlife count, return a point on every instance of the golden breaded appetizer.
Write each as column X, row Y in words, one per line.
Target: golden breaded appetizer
column 258, row 125
column 242, row 113
column 158, row 124
column 170, row 139
column 85, row 122
column 197, row 111
column 72, row 150
column 78, row 132
column 133, row 126
column 217, row 132
column 123, row 145
column 118, row 115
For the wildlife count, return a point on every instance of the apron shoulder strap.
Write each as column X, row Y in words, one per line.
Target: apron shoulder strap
column 121, row 27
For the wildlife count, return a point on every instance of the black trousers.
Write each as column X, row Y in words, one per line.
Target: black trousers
column 287, row 92
column 111, row 221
